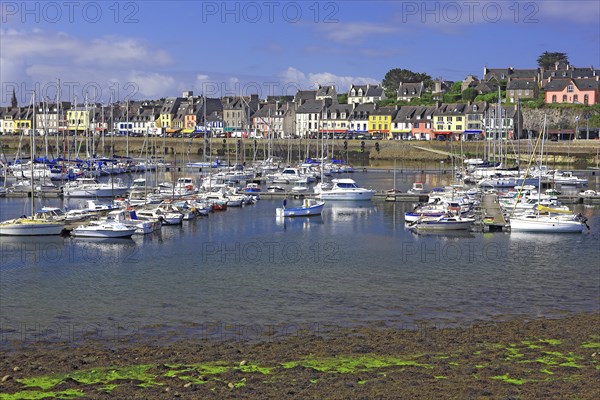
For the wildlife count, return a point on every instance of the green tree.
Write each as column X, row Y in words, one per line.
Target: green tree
column 342, row 98
column 546, row 60
column 469, row 94
column 393, row 77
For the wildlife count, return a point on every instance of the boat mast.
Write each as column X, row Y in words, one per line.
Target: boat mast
column 32, row 155
column 127, row 127
column 540, row 171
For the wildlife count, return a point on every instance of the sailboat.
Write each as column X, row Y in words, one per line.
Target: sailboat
column 549, row 222
column 35, row 225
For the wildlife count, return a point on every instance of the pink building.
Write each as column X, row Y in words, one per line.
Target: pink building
column 570, row 90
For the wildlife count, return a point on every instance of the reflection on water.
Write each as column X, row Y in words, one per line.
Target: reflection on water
column 443, row 235
column 354, row 264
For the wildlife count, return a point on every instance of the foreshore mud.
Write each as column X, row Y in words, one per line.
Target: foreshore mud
column 517, row 358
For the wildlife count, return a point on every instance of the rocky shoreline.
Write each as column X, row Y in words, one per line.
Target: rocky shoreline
column 518, row 358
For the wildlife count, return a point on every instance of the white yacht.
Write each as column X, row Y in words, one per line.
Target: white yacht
column 344, row 189
column 90, row 187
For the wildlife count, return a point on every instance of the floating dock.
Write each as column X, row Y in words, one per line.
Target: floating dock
column 492, row 218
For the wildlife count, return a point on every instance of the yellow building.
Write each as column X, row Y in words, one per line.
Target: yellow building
column 380, row 121
column 168, row 111
column 78, row 120
column 449, row 120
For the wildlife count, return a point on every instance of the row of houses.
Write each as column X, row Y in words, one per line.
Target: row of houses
column 304, row 115
column 562, row 84
column 311, row 112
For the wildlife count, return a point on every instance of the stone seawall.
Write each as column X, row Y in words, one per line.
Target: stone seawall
column 579, row 153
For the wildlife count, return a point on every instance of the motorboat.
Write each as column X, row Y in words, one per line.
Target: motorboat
column 344, row 189
column 417, row 188
column 90, row 187
column 275, row 189
column 24, row 226
column 129, row 218
column 566, row 178
column 443, row 223
column 252, row 188
column 309, row 207
column 104, row 229
column 166, row 217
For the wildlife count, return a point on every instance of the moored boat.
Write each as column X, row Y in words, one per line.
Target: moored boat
column 104, row 229
column 344, row 189
column 309, row 207
column 443, row 223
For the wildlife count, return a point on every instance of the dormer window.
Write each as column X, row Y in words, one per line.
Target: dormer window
column 570, row 88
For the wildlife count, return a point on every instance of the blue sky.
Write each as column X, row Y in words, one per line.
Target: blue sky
column 152, row 49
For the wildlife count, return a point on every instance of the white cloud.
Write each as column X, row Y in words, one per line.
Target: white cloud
column 109, row 50
column 297, row 78
column 152, row 85
column 108, row 66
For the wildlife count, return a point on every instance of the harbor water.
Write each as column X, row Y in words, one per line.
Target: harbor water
column 357, row 264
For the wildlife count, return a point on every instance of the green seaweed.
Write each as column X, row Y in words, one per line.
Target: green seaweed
column 531, row 345
column 314, row 380
column 591, row 345
column 441, row 377
column 348, row 364
column 361, row 382
column 506, row 378
column 95, row 376
column 553, row 342
column 35, row 395
column 254, row 368
column 513, row 352
column 42, row 382
column 560, row 359
column 240, row 384
column 547, row 371
column 107, row 375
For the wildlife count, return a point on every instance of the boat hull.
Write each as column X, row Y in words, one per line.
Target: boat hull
column 356, row 195
column 75, row 192
column 30, row 229
column 555, row 226
column 300, row 211
column 103, row 233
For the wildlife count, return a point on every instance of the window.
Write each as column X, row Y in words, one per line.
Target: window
column 458, row 119
column 459, row 127
column 586, row 99
column 554, row 98
column 575, row 98
column 564, row 98
column 570, row 88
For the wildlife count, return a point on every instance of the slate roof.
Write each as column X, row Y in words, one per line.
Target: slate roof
column 497, row 73
column 367, row 90
column 581, row 84
column 451, row 109
column 521, row 84
column 410, row 89
column 310, row 107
